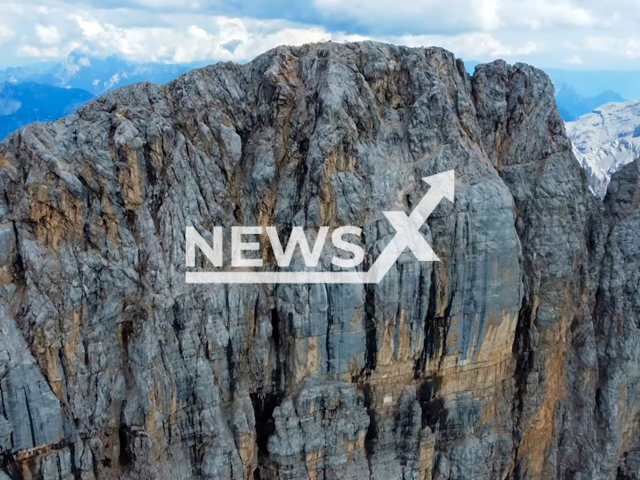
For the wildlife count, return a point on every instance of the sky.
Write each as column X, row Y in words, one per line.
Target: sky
column 572, row 34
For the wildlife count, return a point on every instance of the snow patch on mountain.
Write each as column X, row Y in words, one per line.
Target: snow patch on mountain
column 605, row 140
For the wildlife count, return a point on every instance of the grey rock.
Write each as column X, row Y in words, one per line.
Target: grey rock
column 513, row 357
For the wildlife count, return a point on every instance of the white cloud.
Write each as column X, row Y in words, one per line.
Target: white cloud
column 545, row 14
column 459, row 15
column 468, row 45
column 542, row 32
column 628, row 47
column 168, row 4
column 209, row 39
column 193, row 42
column 417, row 15
column 89, row 28
column 528, row 48
column 575, row 60
column 39, row 52
column 600, row 44
column 5, row 34
column 48, row 35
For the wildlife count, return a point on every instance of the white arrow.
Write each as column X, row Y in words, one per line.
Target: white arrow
column 407, row 227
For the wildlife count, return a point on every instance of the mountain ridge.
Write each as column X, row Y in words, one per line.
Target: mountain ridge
column 94, row 74
column 32, row 102
column 571, row 105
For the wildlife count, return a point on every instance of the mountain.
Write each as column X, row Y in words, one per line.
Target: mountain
column 48, row 91
column 606, row 140
column 514, row 356
column 591, row 83
column 24, row 103
column 571, row 105
column 95, row 75
column 20, row 74
column 580, row 92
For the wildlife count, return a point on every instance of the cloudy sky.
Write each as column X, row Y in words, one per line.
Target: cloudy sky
column 581, row 34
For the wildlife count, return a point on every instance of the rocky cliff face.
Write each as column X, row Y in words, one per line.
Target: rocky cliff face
column 514, row 357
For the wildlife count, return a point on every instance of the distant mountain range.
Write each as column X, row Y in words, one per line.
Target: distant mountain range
column 24, row 103
column 571, row 105
column 591, row 83
column 606, row 140
column 47, row 92
column 95, row 75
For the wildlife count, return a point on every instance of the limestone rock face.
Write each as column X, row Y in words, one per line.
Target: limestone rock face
column 515, row 356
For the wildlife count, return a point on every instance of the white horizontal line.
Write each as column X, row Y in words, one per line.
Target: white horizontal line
column 278, row 277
